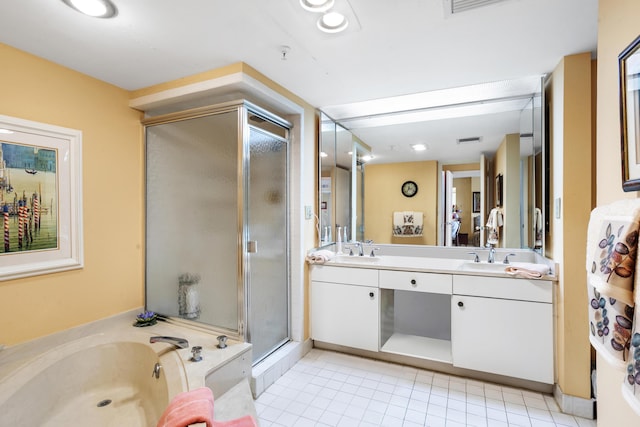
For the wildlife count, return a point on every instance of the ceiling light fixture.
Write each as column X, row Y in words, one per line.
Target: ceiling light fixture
column 317, row 5
column 419, row 147
column 94, row 8
column 333, row 22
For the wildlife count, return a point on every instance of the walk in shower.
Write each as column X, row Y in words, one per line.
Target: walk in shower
column 217, row 223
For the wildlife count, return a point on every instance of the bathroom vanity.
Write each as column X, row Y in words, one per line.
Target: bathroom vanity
column 474, row 317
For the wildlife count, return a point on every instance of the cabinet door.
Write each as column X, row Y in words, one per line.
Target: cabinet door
column 506, row 337
column 345, row 315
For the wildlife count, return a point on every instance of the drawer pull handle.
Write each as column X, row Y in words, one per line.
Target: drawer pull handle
column 413, row 282
column 371, row 294
column 460, row 304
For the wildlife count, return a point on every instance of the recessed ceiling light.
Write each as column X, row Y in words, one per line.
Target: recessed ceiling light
column 366, row 158
column 333, row 22
column 95, row 8
column 317, row 5
column 419, row 147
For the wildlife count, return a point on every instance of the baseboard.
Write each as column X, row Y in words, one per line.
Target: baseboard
column 572, row 405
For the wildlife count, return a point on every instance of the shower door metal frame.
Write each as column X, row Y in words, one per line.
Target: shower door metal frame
column 243, row 108
column 246, row 109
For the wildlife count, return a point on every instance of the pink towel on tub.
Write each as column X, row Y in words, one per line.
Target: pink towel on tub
column 189, row 407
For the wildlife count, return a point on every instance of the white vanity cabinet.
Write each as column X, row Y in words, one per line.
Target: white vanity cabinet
column 345, row 306
column 503, row 326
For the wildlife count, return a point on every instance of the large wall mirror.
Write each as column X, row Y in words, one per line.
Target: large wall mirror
column 480, row 163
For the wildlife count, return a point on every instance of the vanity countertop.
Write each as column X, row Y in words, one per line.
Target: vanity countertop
column 435, row 265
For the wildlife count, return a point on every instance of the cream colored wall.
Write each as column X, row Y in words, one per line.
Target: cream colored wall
column 111, row 280
column 382, row 197
column 617, row 27
column 571, row 146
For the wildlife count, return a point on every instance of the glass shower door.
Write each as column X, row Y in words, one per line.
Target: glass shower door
column 266, row 241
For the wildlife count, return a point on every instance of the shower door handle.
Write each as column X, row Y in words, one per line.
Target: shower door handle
column 252, row 246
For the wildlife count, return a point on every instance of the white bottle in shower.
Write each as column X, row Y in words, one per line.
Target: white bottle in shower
column 339, row 240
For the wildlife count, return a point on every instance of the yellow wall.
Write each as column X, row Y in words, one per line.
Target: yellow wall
column 507, row 163
column 382, row 197
column 571, row 146
column 617, row 27
column 111, row 281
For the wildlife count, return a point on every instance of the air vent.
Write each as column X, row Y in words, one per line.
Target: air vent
column 458, row 6
column 472, row 140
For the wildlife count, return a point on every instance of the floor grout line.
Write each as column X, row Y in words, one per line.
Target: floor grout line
column 326, row 388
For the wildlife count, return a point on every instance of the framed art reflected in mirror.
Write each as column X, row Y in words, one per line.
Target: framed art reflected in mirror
column 476, row 202
column 499, row 196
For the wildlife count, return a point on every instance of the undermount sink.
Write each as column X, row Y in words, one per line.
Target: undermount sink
column 484, row 267
column 366, row 259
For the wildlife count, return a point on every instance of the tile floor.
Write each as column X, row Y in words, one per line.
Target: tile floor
column 333, row 389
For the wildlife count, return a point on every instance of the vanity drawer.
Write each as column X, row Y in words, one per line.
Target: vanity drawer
column 418, row 282
column 505, row 288
column 345, row 275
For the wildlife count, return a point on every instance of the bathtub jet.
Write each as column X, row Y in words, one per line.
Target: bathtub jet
column 178, row 342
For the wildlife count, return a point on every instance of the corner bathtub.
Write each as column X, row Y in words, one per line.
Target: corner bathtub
column 99, row 380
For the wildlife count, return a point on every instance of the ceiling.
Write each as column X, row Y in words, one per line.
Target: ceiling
column 405, row 50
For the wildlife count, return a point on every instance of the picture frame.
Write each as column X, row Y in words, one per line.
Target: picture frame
column 499, row 187
column 629, row 83
column 41, row 198
column 476, row 202
column 323, row 205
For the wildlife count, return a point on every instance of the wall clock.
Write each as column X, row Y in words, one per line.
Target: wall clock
column 409, row 189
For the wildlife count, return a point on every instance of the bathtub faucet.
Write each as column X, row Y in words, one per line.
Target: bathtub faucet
column 178, row 342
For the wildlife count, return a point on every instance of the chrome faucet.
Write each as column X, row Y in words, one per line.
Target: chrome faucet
column 506, row 258
column 178, row 342
column 360, row 247
column 492, row 255
column 156, row 370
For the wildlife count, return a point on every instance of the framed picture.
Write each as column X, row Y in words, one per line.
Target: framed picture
column 323, row 205
column 40, row 198
column 476, row 201
column 325, row 184
column 629, row 69
column 499, row 195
